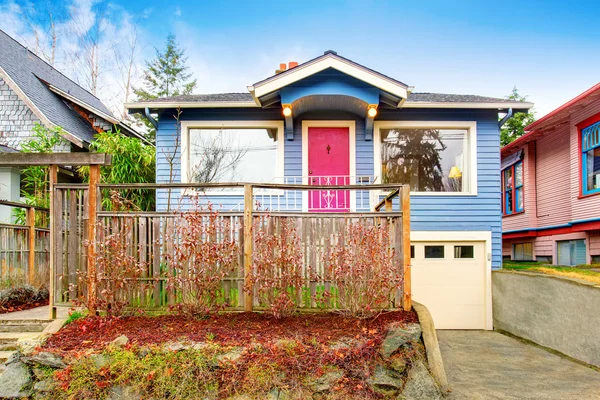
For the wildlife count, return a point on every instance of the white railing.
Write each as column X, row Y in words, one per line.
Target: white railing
column 317, row 200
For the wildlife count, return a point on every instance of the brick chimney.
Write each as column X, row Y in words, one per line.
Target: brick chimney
column 282, row 68
column 292, row 64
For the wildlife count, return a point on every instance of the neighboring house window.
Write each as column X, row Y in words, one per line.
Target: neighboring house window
column 523, row 251
column 512, row 178
column 590, row 147
column 231, row 153
column 430, row 159
column 571, row 252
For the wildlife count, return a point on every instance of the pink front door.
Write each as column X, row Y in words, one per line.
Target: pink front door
column 329, row 164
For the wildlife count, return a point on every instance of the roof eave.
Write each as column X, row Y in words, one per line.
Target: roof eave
column 139, row 107
column 517, row 107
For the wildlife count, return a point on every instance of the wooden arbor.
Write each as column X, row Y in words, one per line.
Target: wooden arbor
column 53, row 160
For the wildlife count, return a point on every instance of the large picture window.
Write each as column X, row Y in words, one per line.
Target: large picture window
column 429, row 159
column 590, row 146
column 512, row 183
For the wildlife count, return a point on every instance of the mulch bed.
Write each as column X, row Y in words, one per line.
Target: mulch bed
column 22, row 307
column 227, row 329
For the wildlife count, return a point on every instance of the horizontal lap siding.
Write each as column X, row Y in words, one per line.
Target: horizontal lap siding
column 428, row 213
column 466, row 213
column 544, row 246
column 589, row 207
column 553, row 178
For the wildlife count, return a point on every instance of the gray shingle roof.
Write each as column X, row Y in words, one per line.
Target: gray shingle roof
column 414, row 97
column 204, row 98
column 29, row 71
column 453, row 98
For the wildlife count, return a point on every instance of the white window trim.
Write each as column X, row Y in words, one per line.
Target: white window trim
column 266, row 124
column 470, row 159
column 351, row 125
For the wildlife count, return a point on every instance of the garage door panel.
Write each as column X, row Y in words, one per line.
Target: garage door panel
column 447, row 274
column 453, row 289
column 458, row 295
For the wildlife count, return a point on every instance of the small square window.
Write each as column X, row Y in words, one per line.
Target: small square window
column 412, row 251
column 463, row 252
column 434, row 251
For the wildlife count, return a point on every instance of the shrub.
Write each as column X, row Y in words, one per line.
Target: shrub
column 277, row 273
column 204, row 253
column 22, row 295
column 117, row 266
column 364, row 269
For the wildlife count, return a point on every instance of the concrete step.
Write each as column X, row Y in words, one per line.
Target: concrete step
column 24, row 321
column 22, row 328
column 9, row 346
column 13, row 337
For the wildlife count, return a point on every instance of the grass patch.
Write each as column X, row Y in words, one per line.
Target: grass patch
column 577, row 272
column 75, row 315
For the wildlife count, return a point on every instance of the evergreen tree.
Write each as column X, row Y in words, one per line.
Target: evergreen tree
column 166, row 75
column 515, row 127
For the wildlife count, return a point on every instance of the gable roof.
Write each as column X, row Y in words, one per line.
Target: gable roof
column 329, row 59
column 536, row 129
column 415, row 100
column 44, row 89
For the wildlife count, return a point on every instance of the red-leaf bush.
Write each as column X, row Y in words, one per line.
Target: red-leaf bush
column 204, row 252
column 117, row 264
column 364, row 269
column 277, row 270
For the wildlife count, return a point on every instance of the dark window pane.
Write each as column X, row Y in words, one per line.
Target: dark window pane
column 412, row 251
column 463, row 252
column 434, row 251
column 593, row 169
column 430, row 160
column 509, row 201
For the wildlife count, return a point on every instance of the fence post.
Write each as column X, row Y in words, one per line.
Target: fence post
column 92, row 223
column 31, row 258
column 248, row 247
column 405, row 204
column 52, row 178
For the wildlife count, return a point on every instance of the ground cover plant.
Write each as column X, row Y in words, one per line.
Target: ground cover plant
column 225, row 355
column 583, row 272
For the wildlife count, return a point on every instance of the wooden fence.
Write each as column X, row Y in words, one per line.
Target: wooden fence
column 145, row 247
column 24, row 249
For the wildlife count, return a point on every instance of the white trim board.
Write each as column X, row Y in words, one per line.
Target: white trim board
column 266, row 124
column 351, row 125
column 322, row 63
column 466, row 236
column 470, row 156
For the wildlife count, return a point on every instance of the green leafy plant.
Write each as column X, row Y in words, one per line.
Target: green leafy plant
column 133, row 161
column 35, row 179
column 514, row 128
column 75, row 315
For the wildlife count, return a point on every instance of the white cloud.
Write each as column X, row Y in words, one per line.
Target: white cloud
column 177, row 11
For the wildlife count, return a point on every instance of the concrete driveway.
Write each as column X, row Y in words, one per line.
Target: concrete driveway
column 490, row 365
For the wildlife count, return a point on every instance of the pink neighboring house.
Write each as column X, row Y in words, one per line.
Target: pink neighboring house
column 551, row 186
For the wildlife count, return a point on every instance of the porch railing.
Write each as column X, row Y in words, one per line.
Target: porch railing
column 150, row 240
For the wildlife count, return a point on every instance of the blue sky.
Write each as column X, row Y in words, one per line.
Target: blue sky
column 548, row 49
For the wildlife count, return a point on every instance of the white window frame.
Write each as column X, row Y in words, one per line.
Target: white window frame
column 265, row 124
column 470, row 156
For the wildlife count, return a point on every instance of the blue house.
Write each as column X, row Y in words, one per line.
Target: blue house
column 333, row 121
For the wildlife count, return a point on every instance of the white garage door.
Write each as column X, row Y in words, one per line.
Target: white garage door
column 449, row 279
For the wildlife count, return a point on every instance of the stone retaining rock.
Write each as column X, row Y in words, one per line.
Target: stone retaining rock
column 420, row 385
column 46, row 359
column 398, row 337
column 15, row 381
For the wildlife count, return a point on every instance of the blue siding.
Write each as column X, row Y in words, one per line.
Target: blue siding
column 447, row 213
